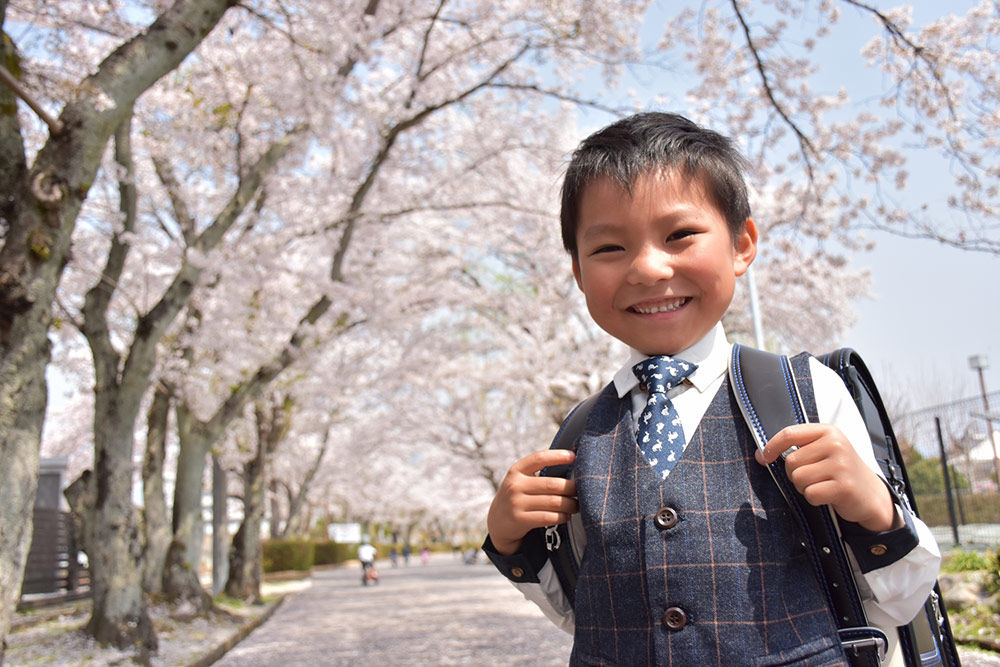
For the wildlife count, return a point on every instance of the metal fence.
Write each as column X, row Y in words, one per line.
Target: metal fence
column 53, row 561
column 953, row 466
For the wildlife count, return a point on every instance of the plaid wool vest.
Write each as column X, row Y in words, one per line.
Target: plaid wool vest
column 704, row 569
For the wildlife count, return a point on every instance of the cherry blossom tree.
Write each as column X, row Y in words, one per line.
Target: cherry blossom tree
column 325, row 172
column 420, row 64
column 836, row 134
column 44, row 187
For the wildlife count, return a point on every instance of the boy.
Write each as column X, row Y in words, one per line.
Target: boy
column 691, row 556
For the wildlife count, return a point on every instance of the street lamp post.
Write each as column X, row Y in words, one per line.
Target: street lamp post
column 980, row 362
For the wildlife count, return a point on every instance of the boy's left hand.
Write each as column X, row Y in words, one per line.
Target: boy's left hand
column 827, row 470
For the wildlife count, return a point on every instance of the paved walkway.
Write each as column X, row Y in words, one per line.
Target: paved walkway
column 444, row 613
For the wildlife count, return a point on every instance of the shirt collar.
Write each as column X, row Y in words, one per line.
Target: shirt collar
column 711, row 354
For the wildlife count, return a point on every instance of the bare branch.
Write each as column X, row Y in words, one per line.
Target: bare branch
column 805, row 145
column 178, row 204
column 55, row 125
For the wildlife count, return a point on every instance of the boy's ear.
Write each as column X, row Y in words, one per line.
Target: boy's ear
column 746, row 248
column 576, row 272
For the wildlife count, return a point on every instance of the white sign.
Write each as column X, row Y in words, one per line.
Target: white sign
column 344, row 533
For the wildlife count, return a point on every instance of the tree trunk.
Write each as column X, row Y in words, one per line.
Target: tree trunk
column 28, row 278
column 111, row 536
column 220, row 526
column 245, row 556
column 275, row 504
column 180, row 577
column 20, row 432
column 181, row 585
column 108, row 535
column 112, row 544
column 273, row 421
column 157, row 524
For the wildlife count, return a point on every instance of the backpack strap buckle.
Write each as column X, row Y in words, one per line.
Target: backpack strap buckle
column 864, row 638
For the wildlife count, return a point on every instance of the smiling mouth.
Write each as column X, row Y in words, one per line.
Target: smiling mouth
column 661, row 307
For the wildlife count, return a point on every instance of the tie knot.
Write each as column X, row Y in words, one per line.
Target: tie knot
column 660, row 374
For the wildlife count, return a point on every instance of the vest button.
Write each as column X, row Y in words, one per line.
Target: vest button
column 517, row 572
column 666, row 517
column 675, row 618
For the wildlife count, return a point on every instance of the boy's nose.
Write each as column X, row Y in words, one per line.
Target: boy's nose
column 650, row 266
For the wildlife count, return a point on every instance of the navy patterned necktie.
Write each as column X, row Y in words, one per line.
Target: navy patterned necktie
column 659, row 434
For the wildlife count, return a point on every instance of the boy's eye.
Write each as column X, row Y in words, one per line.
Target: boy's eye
column 605, row 248
column 681, row 234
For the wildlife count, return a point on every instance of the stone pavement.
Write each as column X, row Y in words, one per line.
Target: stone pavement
column 444, row 613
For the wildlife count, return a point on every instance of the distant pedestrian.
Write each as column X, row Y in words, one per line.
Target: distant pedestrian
column 406, row 554
column 394, row 557
column 366, row 554
column 425, row 555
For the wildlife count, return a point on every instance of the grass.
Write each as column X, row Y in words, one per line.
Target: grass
column 976, row 624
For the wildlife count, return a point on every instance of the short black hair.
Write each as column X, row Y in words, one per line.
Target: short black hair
column 650, row 141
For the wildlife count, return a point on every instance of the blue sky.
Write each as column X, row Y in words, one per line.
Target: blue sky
column 935, row 307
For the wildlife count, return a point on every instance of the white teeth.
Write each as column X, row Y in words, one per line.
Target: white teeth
column 665, row 308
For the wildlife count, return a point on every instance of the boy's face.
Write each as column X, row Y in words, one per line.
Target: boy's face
column 658, row 268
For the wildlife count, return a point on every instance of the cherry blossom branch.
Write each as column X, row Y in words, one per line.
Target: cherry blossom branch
column 267, row 372
column 557, row 95
column 55, row 125
column 177, row 202
column 95, row 324
column 296, row 501
column 918, row 51
column 805, row 145
column 422, row 58
column 921, row 54
column 152, row 325
column 389, row 139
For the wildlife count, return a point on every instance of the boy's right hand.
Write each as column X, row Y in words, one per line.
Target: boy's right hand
column 525, row 501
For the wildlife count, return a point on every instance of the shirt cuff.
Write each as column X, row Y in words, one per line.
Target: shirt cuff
column 876, row 550
column 523, row 565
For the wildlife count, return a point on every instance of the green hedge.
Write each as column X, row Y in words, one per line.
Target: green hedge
column 330, row 553
column 975, row 508
column 301, row 555
column 284, row 555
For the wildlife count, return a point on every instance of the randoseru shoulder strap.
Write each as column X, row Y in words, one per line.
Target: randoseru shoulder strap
column 765, row 389
column 557, row 538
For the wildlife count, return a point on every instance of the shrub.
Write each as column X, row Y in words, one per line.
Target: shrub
column 283, row 555
column 993, row 574
column 329, row 553
column 964, row 561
